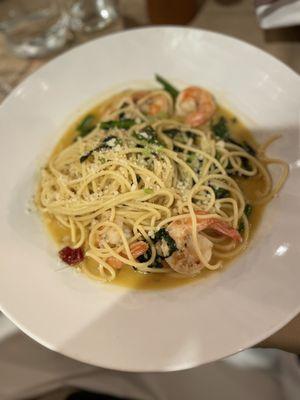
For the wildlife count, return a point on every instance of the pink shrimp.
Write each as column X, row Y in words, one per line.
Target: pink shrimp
column 136, row 96
column 185, row 259
column 137, row 249
column 153, row 102
column 196, row 105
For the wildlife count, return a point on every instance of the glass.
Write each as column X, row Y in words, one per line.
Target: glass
column 91, row 15
column 34, row 28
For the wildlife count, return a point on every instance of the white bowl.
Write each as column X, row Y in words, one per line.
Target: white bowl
column 149, row 330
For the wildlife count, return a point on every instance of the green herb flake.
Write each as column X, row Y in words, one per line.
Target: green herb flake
column 148, row 191
column 190, row 158
column 146, row 151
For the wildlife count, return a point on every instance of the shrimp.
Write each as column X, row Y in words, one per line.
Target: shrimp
column 136, row 96
column 195, row 105
column 137, row 249
column 153, row 102
column 185, row 259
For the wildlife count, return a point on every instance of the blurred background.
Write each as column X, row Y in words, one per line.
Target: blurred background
column 34, row 31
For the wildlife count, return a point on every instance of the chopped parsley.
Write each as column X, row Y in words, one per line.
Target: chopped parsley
column 148, row 191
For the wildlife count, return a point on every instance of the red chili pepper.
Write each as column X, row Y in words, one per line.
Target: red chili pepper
column 71, row 256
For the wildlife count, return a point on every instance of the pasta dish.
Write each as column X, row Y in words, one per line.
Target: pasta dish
column 155, row 180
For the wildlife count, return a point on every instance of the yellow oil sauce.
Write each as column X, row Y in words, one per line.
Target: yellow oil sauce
column 127, row 276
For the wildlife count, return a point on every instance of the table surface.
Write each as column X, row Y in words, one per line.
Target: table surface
column 232, row 17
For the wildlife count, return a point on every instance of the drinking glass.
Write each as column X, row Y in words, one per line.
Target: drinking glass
column 91, row 15
column 34, row 28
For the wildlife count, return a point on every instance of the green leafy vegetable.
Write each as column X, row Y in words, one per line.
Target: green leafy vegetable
column 121, row 124
column 178, row 149
column 248, row 210
column 220, row 129
column 167, row 86
column 194, row 162
column 108, row 143
column 190, row 134
column 220, row 193
column 249, row 149
column 172, row 132
column 244, row 145
column 246, row 164
column 165, row 244
column 86, row 125
column 147, row 135
column 85, row 156
column 157, row 263
column 191, row 158
column 241, row 227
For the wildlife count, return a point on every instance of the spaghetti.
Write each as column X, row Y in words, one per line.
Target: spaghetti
column 154, row 184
